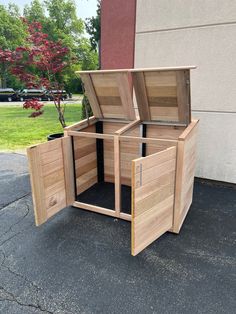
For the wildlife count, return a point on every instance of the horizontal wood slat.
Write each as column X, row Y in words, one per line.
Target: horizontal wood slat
column 110, row 94
column 163, row 95
column 51, row 175
column 153, row 180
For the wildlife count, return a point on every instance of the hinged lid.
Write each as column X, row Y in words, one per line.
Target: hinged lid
column 109, row 93
column 163, row 94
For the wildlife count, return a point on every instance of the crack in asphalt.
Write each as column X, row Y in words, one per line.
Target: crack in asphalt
column 13, row 225
column 16, row 223
column 9, row 296
column 14, row 202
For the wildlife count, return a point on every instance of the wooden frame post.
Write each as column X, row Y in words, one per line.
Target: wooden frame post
column 117, row 175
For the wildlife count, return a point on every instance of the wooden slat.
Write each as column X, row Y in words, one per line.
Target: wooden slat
column 164, row 113
column 149, row 175
column 40, row 210
column 145, row 140
column 115, row 110
column 51, row 167
column 152, row 211
column 141, row 95
column 164, row 132
column 107, row 91
column 102, row 210
column 127, row 127
column 111, row 127
column 50, row 156
column 52, row 177
column 140, row 69
column 163, row 101
column 160, row 78
column 103, row 79
column 117, row 174
column 85, row 185
column 183, row 96
column 90, row 135
column 125, row 95
column 109, row 100
column 165, row 95
column 84, row 150
column 146, row 163
column 90, row 92
column 81, row 125
column 161, row 91
column 186, row 160
column 68, row 170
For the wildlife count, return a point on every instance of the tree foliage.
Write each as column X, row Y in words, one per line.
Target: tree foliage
column 61, row 23
column 12, row 34
column 93, row 27
column 41, row 64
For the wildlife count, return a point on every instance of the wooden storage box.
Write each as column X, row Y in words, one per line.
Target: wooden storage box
column 137, row 168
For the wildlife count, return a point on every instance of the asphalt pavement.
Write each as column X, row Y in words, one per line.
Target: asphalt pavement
column 80, row 262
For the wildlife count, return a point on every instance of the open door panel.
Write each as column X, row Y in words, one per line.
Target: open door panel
column 153, row 179
column 52, row 177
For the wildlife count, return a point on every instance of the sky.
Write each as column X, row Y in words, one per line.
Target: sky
column 85, row 8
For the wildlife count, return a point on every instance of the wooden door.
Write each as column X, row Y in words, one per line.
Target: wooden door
column 153, row 180
column 52, row 177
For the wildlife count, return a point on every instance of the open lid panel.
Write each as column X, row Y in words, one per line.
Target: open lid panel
column 163, row 94
column 109, row 93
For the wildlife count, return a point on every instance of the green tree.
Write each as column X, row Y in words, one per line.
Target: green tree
column 35, row 12
column 12, row 34
column 60, row 22
column 93, row 27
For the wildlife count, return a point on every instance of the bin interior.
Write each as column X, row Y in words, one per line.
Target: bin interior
column 94, row 167
column 94, row 159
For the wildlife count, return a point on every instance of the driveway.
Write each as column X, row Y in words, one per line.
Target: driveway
column 80, row 262
column 70, row 101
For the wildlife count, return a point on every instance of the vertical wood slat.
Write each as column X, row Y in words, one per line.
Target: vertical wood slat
column 91, row 94
column 117, row 175
column 185, row 166
column 68, row 170
column 141, row 95
column 40, row 211
column 125, row 95
column 183, row 99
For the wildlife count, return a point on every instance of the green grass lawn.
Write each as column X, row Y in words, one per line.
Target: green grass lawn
column 17, row 130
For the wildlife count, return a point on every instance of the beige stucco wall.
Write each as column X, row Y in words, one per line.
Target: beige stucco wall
column 201, row 33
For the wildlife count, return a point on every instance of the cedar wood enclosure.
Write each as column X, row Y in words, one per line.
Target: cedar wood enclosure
column 137, row 169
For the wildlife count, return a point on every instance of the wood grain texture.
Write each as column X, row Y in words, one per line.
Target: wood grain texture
column 110, row 94
column 141, row 95
column 51, row 176
column 152, row 211
column 81, row 125
column 163, row 95
column 183, row 96
column 85, row 159
column 125, row 95
column 92, row 97
column 102, row 210
column 68, row 170
column 186, row 160
column 117, row 175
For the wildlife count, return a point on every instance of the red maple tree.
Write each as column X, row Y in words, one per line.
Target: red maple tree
column 40, row 64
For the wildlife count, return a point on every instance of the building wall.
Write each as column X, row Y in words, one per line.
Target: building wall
column 117, row 34
column 201, row 33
